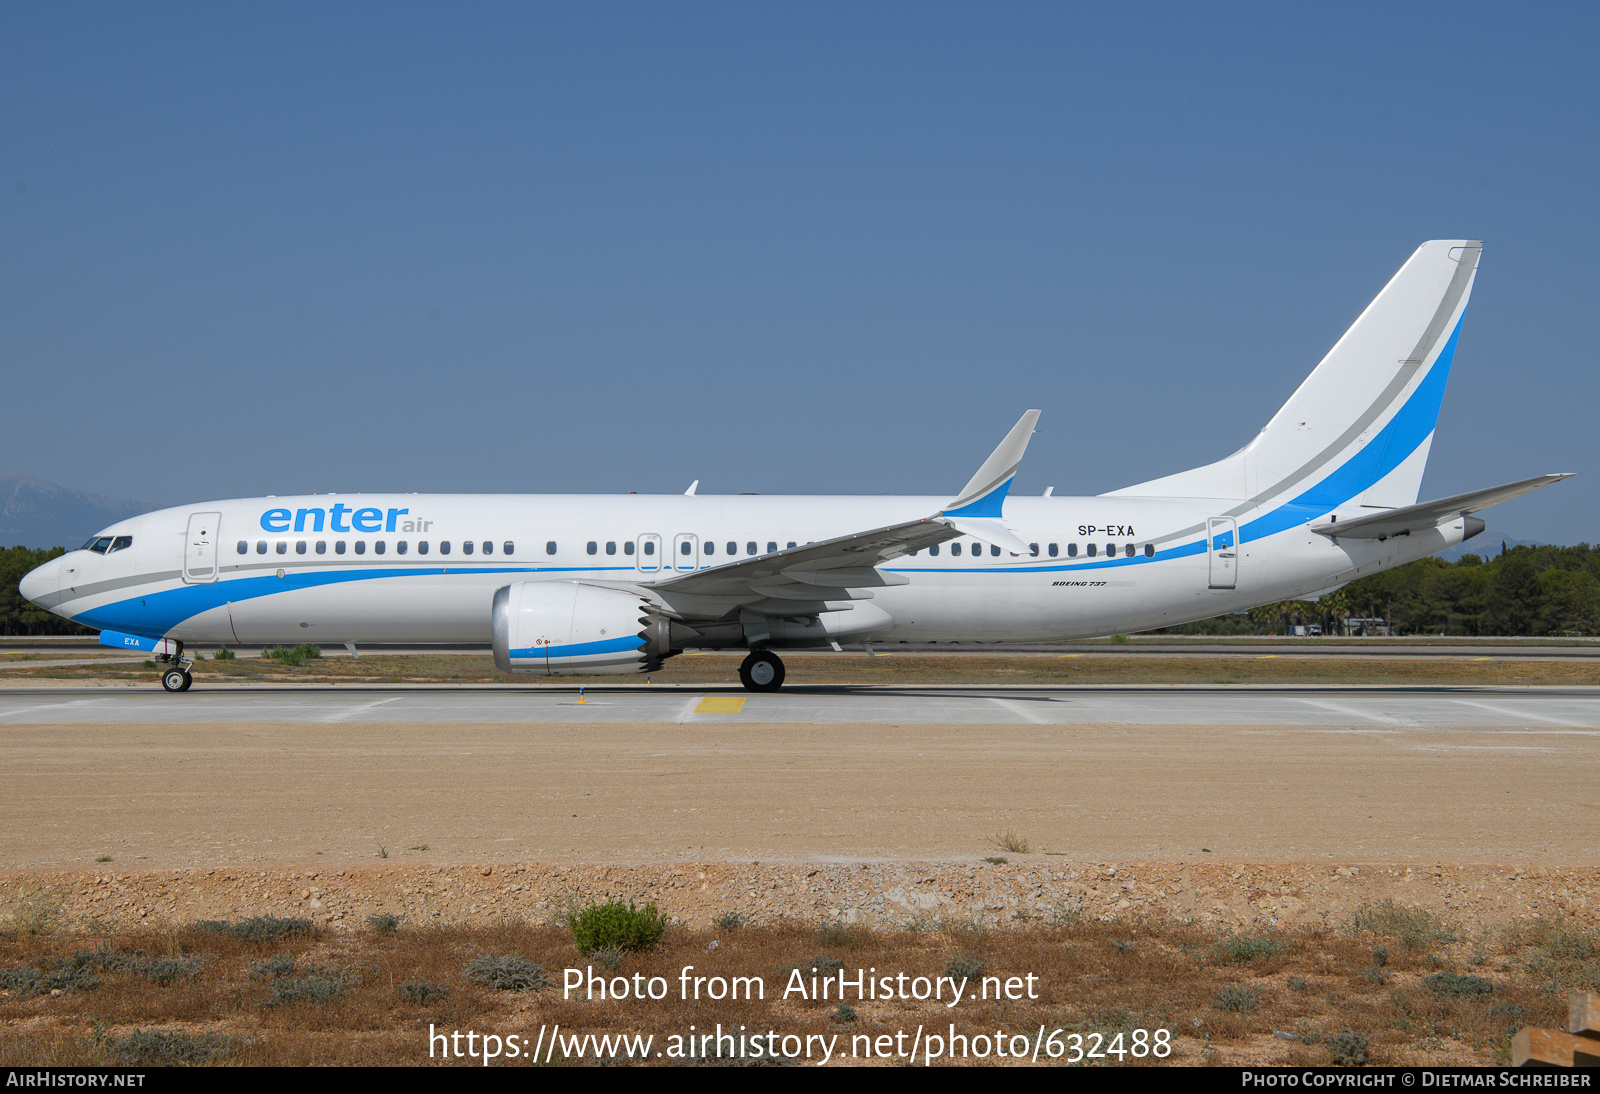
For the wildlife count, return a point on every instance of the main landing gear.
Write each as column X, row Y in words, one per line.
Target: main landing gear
column 761, row 671
column 175, row 677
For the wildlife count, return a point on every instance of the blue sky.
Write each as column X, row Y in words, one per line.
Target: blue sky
column 781, row 248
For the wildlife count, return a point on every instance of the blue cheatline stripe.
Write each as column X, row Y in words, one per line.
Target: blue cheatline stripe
column 630, row 644
column 1381, row 455
column 987, row 506
column 154, row 614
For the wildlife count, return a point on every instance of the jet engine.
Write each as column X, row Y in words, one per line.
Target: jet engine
column 566, row 628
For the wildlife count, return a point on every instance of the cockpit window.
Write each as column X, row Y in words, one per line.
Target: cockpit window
column 121, row 542
column 99, row 545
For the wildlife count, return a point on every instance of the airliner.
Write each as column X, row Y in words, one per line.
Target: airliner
column 604, row 584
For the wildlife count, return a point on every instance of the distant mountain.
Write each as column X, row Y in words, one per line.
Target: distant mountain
column 35, row 513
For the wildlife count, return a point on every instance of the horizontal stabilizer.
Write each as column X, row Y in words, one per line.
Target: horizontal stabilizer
column 1431, row 514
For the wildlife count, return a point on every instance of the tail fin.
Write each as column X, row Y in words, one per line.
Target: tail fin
column 1357, row 432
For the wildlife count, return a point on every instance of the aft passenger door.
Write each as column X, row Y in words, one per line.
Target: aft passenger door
column 1222, row 546
column 200, row 549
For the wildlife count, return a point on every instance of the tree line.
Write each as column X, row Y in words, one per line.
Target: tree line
column 1524, row 591
column 18, row 616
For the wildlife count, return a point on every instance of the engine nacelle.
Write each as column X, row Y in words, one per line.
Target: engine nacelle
column 565, row 628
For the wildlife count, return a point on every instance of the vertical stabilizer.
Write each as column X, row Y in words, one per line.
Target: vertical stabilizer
column 1357, row 432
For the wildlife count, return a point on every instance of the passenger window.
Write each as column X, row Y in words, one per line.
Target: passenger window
column 361, row 546
column 772, row 547
column 1054, row 550
column 244, row 546
column 322, row 546
column 1127, row 550
column 994, row 550
column 1091, row 550
column 300, row 547
column 934, row 550
column 1149, row 550
column 1111, row 550
column 506, row 548
column 338, row 546
column 593, row 548
column 283, row 547
column 627, row 548
column 750, row 548
column 1033, row 549
column 733, row 548
column 444, row 548
column 400, row 547
column 711, row 547
column 466, row 547
column 791, row 545
column 488, row 547
column 649, row 546
column 378, row 547
column 550, row 547
column 1072, row 550
column 261, row 546
column 422, row 547
column 684, row 547
column 611, row 546
column 955, row 549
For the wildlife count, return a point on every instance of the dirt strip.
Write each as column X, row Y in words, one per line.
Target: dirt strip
column 1024, row 890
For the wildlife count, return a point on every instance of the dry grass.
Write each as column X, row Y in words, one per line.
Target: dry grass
column 1222, row 997
column 887, row 668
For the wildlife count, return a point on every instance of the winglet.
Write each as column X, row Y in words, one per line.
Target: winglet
column 984, row 495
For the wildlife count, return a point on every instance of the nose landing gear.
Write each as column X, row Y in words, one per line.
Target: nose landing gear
column 761, row 671
column 176, row 676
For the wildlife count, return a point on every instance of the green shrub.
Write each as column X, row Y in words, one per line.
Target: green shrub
column 148, row 1048
column 168, row 970
column 383, row 922
column 1455, row 983
column 277, row 965
column 293, row 655
column 964, row 966
column 261, row 928
column 290, row 990
column 1241, row 949
column 1236, row 997
column 1417, row 928
column 507, row 972
column 223, row 654
column 624, row 926
column 422, row 991
column 1349, row 1049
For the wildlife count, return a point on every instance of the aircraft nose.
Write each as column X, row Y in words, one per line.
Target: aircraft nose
column 41, row 581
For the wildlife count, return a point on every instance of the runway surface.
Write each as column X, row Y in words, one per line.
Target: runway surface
column 328, row 775
column 1438, row 707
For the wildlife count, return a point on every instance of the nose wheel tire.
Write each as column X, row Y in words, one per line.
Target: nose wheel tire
column 176, row 680
column 761, row 671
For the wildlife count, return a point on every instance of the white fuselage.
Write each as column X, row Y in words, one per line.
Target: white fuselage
column 395, row 568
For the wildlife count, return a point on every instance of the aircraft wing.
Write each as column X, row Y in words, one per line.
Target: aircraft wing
column 803, row 580
column 1430, row 514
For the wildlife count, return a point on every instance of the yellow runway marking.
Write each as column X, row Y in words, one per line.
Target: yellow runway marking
column 720, row 705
